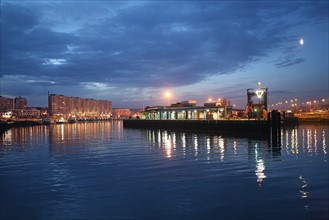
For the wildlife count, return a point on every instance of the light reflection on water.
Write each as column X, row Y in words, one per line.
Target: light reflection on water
column 305, row 139
column 154, row 174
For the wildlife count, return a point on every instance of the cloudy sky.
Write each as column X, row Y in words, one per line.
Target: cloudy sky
column 132, row 52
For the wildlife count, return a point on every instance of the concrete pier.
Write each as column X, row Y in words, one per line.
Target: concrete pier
column 244, row 128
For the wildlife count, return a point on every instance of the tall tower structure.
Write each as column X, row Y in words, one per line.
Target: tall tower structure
column 257, row 108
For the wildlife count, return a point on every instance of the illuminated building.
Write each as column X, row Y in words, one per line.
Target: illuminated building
column 6, row 103
column 179, row 111
column 64, row 106
column 121, row 113
column 20, row 103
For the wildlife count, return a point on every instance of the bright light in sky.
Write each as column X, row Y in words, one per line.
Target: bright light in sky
column 168, row 94
column 301, row 41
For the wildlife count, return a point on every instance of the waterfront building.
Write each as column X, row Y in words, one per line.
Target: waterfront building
column 20, row 103
column 27, row 113
column 121, row 113
column 6, row 103
column 75, row 107
column 180, row 112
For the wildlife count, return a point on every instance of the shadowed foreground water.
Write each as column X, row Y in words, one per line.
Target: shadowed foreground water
column 102, row 171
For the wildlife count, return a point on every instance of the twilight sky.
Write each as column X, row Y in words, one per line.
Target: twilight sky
column 132, row 52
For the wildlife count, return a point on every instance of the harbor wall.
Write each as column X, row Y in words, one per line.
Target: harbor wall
column 226, row 127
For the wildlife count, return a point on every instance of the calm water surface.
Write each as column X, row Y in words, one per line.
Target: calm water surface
column 103, row 171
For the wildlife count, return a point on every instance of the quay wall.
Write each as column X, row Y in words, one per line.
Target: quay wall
column 225, row 127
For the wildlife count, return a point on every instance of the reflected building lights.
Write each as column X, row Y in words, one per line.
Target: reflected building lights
column 287, row 142
column 294, row 142
column 188, row 143
column 234, row 147
column 324, row 146
column 208, row 145
column 168, row 144
column 195, row 137
column 221, row 147
column 315, row 146
column 168, row 148
column 173, row 140
column 208, row 148
column 293, row 146
column 119, row 131
column 7, row 138
column 260, row 171
column 309, row 140
column 62, row 132
column 152, row 135
column 184, row 143
column 303, row 140
column 159, row 136
column 306, row 140
column 260, row 166
column 24, row 138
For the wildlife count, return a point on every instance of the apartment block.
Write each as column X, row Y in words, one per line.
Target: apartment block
column 60, row 105
column 20, row 103
column 6, row 103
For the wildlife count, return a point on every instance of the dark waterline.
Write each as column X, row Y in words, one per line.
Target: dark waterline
column 102, row 171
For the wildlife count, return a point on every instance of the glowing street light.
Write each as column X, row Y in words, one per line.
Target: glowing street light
column 168, row 96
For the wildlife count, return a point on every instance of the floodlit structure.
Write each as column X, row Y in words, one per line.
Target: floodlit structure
column 258, row 108
column 188, row 110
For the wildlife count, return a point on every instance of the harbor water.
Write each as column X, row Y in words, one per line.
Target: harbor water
column 100, row 170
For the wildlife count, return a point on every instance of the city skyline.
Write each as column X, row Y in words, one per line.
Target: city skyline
column 133, row 53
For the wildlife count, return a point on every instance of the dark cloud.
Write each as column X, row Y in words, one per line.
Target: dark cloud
column 290, row 62
column 144, row 44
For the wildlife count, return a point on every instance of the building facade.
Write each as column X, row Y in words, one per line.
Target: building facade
column 75, row 107
column 6, row 103
column 121, row 113
column 20, row 103
column 187, row 113
column 27, row 113
column 188, row 110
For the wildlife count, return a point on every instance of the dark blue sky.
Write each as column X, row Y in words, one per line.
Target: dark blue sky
column 131, row 52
